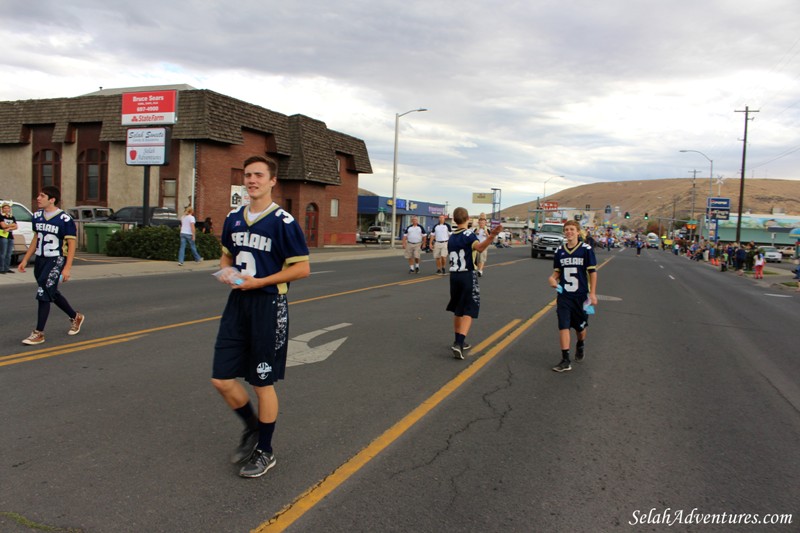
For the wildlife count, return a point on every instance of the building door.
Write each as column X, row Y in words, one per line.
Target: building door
column 311, row 225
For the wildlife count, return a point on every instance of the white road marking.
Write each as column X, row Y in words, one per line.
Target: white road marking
column 778, row 295
column 670, row 276
column 300, row 353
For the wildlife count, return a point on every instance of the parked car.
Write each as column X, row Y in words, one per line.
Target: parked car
column 771, row 254
column 89, row 213
column 23, row 235
column 787, row 251
column 159, row 216
column 376, row 234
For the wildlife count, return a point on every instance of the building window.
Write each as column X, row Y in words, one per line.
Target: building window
column 92, row 178
column 169, row 194
column 46, row 169
column 334, row 207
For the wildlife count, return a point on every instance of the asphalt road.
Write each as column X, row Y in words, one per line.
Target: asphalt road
column 688, row 400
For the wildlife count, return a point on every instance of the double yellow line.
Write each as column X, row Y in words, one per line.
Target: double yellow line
column 6, row 360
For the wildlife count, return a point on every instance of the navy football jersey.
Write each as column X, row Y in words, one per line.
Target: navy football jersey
column 459, row 250
column 574, row 267
column 52, row 231
column 265, row 246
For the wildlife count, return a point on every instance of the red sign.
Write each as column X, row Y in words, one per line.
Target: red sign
column 147, row 108
column 550, row 206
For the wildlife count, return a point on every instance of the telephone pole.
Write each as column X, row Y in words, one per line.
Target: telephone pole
column 741, row 181
column 694, row 177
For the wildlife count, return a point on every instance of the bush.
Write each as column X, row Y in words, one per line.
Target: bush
column 159, row 243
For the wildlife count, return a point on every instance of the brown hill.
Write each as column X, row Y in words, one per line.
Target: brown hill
column 658, row 198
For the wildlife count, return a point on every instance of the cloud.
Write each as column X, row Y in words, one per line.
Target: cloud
column 517, row 92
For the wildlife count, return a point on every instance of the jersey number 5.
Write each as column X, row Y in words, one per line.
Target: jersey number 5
column 570, row 281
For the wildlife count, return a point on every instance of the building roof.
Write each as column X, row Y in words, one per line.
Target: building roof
column 203, row 115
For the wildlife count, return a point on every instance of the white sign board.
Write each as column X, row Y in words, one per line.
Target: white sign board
column 147, row 146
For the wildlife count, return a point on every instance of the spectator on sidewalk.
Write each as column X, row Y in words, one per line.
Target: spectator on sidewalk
column 188, row 235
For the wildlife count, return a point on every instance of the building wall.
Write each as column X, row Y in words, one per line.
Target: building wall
column 15, row 171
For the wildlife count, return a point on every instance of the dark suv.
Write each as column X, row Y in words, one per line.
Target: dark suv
column 159, row 216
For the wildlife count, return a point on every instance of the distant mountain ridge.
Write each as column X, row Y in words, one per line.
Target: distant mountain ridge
column 659, row 197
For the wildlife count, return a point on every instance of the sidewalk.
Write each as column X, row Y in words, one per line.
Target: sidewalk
column 774, row 278
column 96, row 266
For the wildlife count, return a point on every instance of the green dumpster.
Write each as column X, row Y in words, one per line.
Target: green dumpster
column 104, row 232
column 91, row 237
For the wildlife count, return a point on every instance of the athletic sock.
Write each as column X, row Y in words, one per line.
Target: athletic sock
column 248, row 416
column 265, row 431
column 579, row 344
column 63, row 304
column 565, row 355
column 42, row 314
column 460, row 339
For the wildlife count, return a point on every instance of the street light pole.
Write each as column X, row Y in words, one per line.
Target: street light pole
column 710, row 188
column 394, row 170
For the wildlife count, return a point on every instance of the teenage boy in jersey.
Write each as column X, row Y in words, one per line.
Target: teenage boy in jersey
column 575, row 272
column 465, row 295
column 438, row 241
column 52, row 229
column 412, row 244
column 266, row 246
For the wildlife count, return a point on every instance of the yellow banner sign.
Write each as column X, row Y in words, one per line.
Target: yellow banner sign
column 482, row 198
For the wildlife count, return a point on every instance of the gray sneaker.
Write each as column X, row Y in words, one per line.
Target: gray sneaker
column 458, row 351
column 563, row 366
column 246, row 446
column 258, row 464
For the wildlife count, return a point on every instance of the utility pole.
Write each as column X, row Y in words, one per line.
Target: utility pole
column 694, row 177
column 741, row 181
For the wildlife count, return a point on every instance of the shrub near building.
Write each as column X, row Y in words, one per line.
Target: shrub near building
column 159, row 243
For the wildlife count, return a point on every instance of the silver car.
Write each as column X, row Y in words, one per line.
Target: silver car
column 771, row 254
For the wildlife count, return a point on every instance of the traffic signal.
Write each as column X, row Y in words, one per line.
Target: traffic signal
column 627, row 215
column 645, row 216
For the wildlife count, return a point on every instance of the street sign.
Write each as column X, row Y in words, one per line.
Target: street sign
column 719, row 214
column 147, row 146
column 719, row 203
column 149, row 108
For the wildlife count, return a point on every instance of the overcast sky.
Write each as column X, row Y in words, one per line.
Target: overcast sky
column 518, row 92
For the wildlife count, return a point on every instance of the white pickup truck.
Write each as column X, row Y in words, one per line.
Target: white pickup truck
column 376, row 234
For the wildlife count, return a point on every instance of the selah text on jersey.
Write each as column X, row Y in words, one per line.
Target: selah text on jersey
column 52, row 231
column 573, row 267
column 265, row 246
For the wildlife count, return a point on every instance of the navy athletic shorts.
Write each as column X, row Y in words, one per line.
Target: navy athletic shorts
column 465, row 294
column 571, row 314
column 47, row 271
column 252, row 341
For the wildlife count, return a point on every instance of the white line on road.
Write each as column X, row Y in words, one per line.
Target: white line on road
column 670, row 276
column 778, row 295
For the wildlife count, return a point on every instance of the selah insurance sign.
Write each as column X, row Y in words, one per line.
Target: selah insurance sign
column 148, row 108
column 147, row 146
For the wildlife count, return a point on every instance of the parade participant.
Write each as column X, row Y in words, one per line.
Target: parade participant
column 263, row 250
column 575, row 278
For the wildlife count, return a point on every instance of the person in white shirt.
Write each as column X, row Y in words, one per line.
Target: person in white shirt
column 188, row 236
column 440, row 234
column 483, row 233
column 412, row 244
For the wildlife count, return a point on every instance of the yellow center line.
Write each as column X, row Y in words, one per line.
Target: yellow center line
column 93, row 343
column 311, row 497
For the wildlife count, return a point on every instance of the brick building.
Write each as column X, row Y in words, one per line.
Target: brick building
column 79, row 145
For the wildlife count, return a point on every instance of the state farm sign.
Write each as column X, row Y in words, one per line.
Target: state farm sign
column 146, row 108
